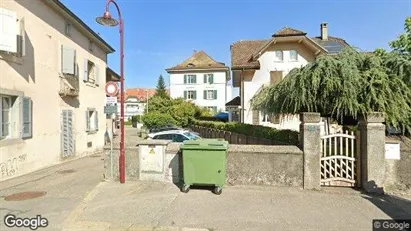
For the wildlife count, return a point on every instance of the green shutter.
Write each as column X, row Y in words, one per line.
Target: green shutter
column 27, row 118
column 195, row 95
column 215, row 94
column 185, row 79
column 205, row 78
column 205, row 94
column 211, row 78
column 185, row 94
column 195, row 78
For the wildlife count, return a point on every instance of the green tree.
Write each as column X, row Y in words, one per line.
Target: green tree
column 161, row 88
column 348, row 84
column 156, row 119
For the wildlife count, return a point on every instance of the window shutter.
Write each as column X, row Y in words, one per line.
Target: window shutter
column 205, row 78
column 185, row 79
column 68, row 60
column 96, row 120
column 27, row 118
column 195, row 78
column 215, row 94
column 64, row 133
column 21, row 39
column 211, row 78
column 8, row 29
column 70, row 135
column 97, row 74
column 194, row 94
column 87, row 121
column 185, row 94
column 85, row 77
column 205, row 94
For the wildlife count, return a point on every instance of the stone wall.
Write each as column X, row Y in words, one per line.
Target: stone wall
column 398, row 172
column 246, row 165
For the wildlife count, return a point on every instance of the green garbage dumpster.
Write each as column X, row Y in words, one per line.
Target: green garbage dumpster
column 204, row 163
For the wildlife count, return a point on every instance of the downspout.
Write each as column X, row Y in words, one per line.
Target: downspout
column 242, row 94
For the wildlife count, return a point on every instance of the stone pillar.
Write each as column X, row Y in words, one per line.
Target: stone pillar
column 310, row 143
column 372, row 152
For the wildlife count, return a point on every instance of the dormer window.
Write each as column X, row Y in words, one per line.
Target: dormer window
column 190, row 65
column 293, row 55
column 278, row 56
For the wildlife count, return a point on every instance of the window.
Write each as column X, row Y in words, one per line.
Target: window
column 293, row 55
column 212, row 109
column 210, row 94
column 208, row 78
column 12, row 31
column 190, row 95
column 67, row 29
column 91, row 72
column 91, row 120
column 6, row 105
column 190, row 79
column 265, row 118
column 163, row 137
column 278, row 56
column 15, row 113
column 179, row 138
column 90, row 45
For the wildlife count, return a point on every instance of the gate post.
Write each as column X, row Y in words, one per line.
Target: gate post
column 310, row 143
column 372, row 135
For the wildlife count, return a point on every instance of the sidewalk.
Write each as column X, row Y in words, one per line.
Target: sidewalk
column 161, row 206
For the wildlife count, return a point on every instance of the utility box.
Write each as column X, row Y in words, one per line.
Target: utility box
column 205, row 163
column 152, row 159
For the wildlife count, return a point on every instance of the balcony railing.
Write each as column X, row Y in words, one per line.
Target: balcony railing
column 69, row 85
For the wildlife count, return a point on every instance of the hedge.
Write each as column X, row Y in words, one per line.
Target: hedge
column 156, row 119
column 286, row 136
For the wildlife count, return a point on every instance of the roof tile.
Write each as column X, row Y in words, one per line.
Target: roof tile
column 199, row 60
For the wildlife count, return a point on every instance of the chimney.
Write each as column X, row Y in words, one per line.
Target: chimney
column 324, row 31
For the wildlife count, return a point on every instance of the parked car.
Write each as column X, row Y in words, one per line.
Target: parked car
column 223, row 116
column 174, row 135
column 169, row 127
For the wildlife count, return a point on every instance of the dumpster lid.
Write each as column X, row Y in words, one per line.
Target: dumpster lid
column 207, row 144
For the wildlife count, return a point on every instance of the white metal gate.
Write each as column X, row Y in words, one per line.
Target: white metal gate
column 338, row 160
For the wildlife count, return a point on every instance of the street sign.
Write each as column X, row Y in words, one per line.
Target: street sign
column 110, row 109
column 111, row 100
column 111, row 88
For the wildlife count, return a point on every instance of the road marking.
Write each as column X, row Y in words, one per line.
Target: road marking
column 75, row 214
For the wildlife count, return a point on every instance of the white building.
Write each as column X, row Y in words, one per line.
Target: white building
column 135, row 102
column 201, row 80
column 255, row 63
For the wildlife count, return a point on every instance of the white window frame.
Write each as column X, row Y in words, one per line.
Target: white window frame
column 191, row 79
column 210, row 94
column 91, row 69
column 92, row 118
column 276, row 58
column 296, row 56
column 2, row 136
column 209, row 76
column 265, row 118
column 190, row 96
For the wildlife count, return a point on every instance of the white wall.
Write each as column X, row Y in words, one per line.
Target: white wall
column 37, row 75
column 262, row 77
column 177, row 88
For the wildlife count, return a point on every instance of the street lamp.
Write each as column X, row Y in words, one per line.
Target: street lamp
column 107, row 20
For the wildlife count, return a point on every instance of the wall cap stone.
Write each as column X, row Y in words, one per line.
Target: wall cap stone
column 310, row 117
column 153, row 142
column 373, row 117
column 267, row 149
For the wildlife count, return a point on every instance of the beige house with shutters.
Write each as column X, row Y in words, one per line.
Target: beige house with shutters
column 257, row 63
column 52, row 86
column 201, row 80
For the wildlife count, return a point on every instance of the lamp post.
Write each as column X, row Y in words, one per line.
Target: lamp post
column 107, row 20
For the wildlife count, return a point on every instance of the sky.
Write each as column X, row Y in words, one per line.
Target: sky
column 163, row 33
